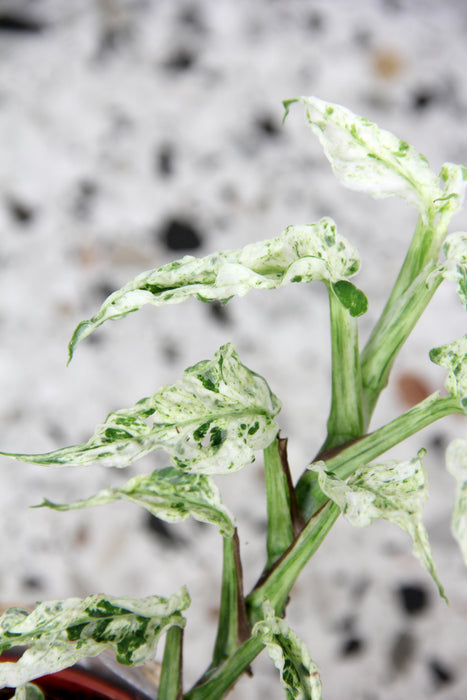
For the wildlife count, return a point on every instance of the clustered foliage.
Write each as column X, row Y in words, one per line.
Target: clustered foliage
column 220, row 413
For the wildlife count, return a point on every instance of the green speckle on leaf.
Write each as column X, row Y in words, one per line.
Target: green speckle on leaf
column 352, row 298
column 218, row 436
column 200, row 432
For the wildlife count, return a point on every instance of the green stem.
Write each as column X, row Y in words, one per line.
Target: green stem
column 346, row 417
column 225, row 676
column 279, row 580
column 233, row 624
column 278, row 496
column 390, row 333
column 275, row 588
column 170, row 686
column 344, row 461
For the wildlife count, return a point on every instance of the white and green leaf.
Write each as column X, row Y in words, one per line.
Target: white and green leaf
column 456, row 462
column 62, row 632
column 170, row 494
column 454, row 178
column 300, row 254
column 395, row 491
column 455, row 266
column 369, row 159
column 211, row 421
column 299, row 674
column 453, row 357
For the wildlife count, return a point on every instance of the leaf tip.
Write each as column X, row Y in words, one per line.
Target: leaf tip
column 286, row 104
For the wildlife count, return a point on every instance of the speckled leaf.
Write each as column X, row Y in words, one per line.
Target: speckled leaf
column 169, row 494
column 62, row 632
column 211, row 421
column 300, row 254
column 453, row 357
column 395, row 491
column 454, row 178
column 299, row 674
column 369, row 159
column 456, row 462
column 455, row 267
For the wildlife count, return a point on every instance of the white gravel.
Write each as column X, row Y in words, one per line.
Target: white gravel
column 116, row 116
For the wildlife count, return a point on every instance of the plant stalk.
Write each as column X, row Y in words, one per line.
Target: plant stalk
column 170, row 686
column 391, row 332
column 224, row 677
column 345, row 420
column 278, row 582
column 345, row 460
column 279, row 493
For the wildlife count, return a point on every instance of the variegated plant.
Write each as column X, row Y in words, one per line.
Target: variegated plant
column 220, row 413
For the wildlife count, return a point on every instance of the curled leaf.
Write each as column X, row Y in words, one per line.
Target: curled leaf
column 60, row 633
column 455, row 267
column 369, row 159
column 300, row 254
column 456, row 462
column 299, row 674
column 395, row 492
column 170, row 494
column 211, row 421
column 454, row 178
column 453, row 357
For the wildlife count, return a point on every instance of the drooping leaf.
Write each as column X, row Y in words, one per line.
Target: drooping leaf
column 454, row 178
column 453, row 357
column 395, row 492
column 455, row 267
column 211, row 421
column 456, row 462
column 62, row 632
column 300, row 254
column 170, row 494
column 299, row 674
column 369, row 159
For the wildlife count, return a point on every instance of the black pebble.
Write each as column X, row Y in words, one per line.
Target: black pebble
column 422, row 99
column 440, row 673
column 179, row 234
column 315, row 22
column 219, row 312
column 21, row 212
column 352, row 646
column 413, row 598
column 33, row 583
column 190, row 17
column 402, row 650
column 267, row 126
column 103, row 290
column 19, row 24
column 163, row 531
column 181, row 61
column 165, row 160
column 438, row 442
column 393, row 5
column 85, row 199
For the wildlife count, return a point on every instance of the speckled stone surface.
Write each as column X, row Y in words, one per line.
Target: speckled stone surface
column 134, row 132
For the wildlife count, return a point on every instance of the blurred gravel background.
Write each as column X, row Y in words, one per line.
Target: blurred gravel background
column 132, row 133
